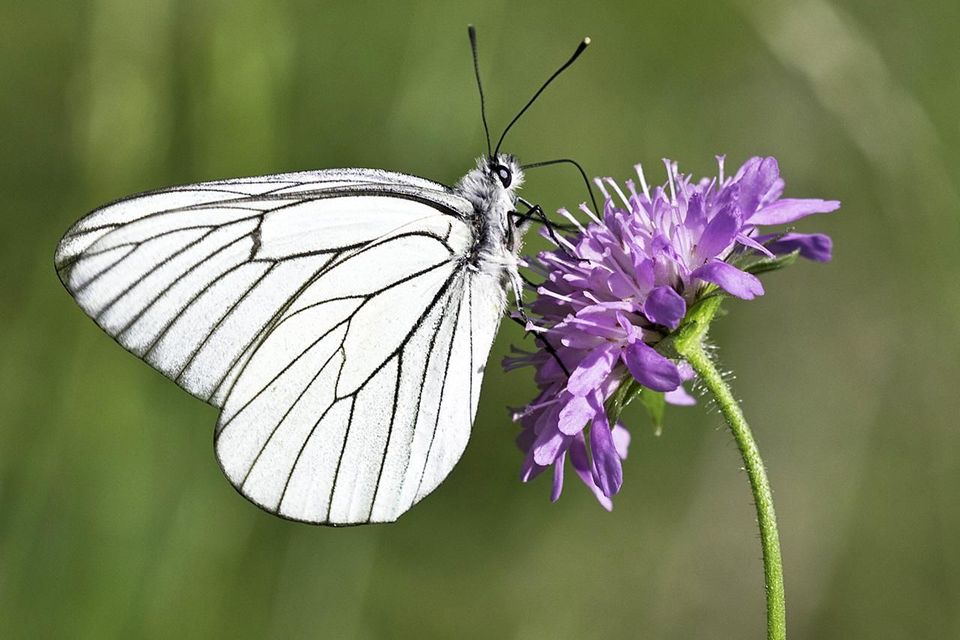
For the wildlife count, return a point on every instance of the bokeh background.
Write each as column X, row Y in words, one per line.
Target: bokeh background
column 114, row 518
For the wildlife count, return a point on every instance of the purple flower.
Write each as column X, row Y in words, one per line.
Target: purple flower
column 614, row 290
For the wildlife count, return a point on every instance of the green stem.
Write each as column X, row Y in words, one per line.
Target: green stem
column 692, row 349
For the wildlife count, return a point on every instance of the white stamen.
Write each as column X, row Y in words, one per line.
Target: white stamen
column 532, row 328
column 710, row 187
column 569, row 216
column 620, row 193
column 683, row 181
column 720, row 160
column 603, row 190
column 565, row 242
column 641, row 210
column 549, row 237
column 588, row 295
column 586, row 210
column 643, row 181
column 673, row 189
column 553, row 294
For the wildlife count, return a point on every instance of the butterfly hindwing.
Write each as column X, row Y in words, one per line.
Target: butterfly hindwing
column 339, row 426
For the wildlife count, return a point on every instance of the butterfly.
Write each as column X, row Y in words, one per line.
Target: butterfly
column 340, row 319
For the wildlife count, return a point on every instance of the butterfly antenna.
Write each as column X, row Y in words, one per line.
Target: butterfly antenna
column 472, row 32
column 583, row 174
column 576, row 54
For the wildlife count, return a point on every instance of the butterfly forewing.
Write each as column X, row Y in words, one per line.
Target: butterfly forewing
column 332, row 315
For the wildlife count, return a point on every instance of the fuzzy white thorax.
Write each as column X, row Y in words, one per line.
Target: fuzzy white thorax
column 499, row 238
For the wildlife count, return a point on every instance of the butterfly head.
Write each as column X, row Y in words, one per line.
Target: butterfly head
column 503, row 171
column 492, row 186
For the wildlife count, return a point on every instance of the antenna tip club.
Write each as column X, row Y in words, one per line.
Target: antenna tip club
column 586, row 41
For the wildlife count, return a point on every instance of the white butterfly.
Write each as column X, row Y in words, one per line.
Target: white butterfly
column 340, row 319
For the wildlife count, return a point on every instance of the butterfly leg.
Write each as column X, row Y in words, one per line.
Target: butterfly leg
column 535, row 213
column 535, row 210
column 516, row 283
column 542, row 339
column 518, row 280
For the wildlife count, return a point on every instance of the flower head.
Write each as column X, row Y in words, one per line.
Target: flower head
column 614, row 290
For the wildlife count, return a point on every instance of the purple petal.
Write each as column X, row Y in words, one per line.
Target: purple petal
column 530, row 469
column 665, row 306
column 550, row 444
column 791, row 210
column 756, row 178
column 545, row 417
column 550, row 372
column 665, row 267
column 620, row 286
column 576, row 339
column 575, row 415
column 679, row 397
column 749, row 166
column 607, row 470
column 592, row 370
column 812, row 246
column 651, row 369
column 732, row 280
column 696, row 218
column 621, row 439
column 753, row 244
column 643, row 271
column 557, row 478
column 581, row 464
column 719, row 233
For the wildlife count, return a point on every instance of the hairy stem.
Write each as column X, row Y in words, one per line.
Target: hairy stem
column 690, row 345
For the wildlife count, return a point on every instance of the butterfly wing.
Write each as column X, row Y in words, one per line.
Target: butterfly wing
column 332, row 315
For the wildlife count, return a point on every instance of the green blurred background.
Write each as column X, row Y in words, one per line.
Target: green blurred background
column 114, row 517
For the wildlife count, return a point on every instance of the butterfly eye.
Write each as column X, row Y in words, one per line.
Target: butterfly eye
column 504, row 174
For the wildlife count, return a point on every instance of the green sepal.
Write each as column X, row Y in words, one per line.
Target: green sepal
column 765, row 265
column 624, row 394
column 630, row 390
column 654, row 402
